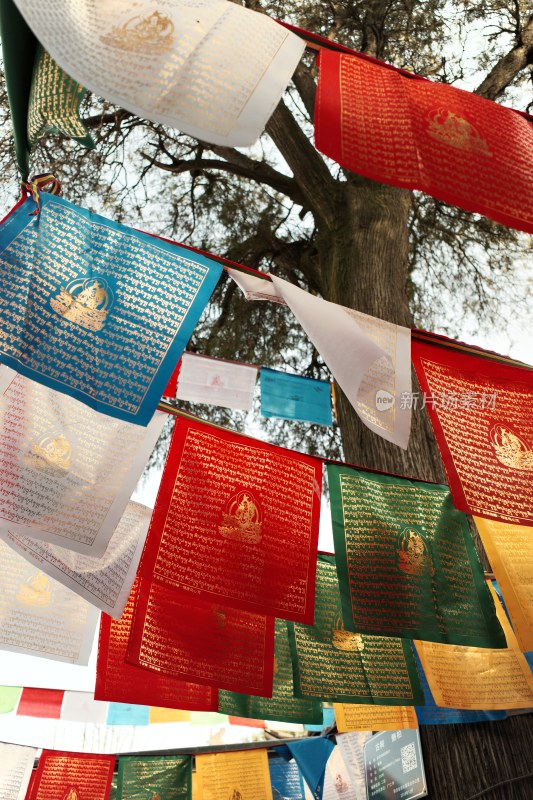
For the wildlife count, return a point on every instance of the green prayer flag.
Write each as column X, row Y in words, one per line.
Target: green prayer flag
column 406, row 562
column 9, row 697
column 154, row 778
column 283, row 705
column 339, row 666
column 54, row 102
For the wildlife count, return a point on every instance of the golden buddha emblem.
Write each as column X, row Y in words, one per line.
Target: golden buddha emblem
column 412, row 553
column 510, row 449
column 86, row 302
column 72, row 794
column 153, row 34
column 456, row 131
column 341, row 639
column 36, row 590
column 50, row 454
column 242, row 519
column 156, row 796
column 236, row 794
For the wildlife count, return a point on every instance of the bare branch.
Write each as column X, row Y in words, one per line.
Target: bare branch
column 509, row 65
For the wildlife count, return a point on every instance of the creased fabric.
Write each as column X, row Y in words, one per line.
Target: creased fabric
column 72, row 776
column 16, row 764
column 211, row 380
column 295, row 397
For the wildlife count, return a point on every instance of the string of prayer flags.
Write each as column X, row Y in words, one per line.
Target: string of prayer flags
column 359, row 717
column 118, row 681
column 9, row 698
column 104, row 582
column 286, row 779
column 478, row 679
column 54, row 103
column 406, row 561
column 61, row 775
column 295, row 397
column 312, row 755
column 240, row 775
column 201, row 642
column 180, row 65
column 39, row 616
column 282, row 705
column 16, row 764
column 142, row 777
column 425, row 135
column 373, row 365
column 236, row 521
column 203, row 379
column 68, row 471
column 95, row 309
column 42, row 703
column 481, row 413
column 81, row 706
column 338, row 666
column 509, row 549
column 128, row 714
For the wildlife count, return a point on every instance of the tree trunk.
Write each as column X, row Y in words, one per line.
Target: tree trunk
column 364, row 265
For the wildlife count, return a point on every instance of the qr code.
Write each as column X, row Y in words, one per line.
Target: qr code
column 408, row 754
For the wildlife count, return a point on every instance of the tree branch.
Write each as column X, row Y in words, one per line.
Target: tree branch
column 306, row 87
column 509, row 65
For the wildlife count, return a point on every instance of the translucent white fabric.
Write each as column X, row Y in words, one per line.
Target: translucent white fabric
column 211, row 68
column 210, row 380
column 16, row 764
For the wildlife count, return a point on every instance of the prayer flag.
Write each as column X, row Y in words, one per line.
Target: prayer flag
column 241, row 775
column 9, row 697
column 338, row 666
column 509, row 549
column 425, row 135
column 54, row 102
column 95, row 309
column 68, row 471
column 128, row 714
column 295, row 397
column 16, row 765
column 72, row 776
column 286, row 779
column 236, row 521
column 104, row 582
column 481, row 412
column 345, row 770
column 82, row 707
column 358, row 717
column 312, row 755
column 160, row 715
column 121, row 682
column 180, row 65
column 368, row 357
column 406, row 561
column 282, row 705
column 478, row 679
column 39, row 616
column 155, row 777
column 43, row 703
column 203, row 379
column 247, row 722
column 201, row 642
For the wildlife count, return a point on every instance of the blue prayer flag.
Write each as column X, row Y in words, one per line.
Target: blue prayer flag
column 126, row 714
column 286, row 779
column 432, row 714
column 529, row 659
column 312, row 755
column 94, row 309
column 294, row 397
column 328, row 719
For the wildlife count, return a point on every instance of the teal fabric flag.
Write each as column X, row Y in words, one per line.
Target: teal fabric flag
column 94, row 309
column 312, row 755
column 294, row 397
column 286, row 779
column 126, row 714
column 328, row 719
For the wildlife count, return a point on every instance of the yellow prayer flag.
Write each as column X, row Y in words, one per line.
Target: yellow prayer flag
column 194, row 790
column 510, row 551
column 360, row 717
column 158, row 714
column 240, row 775
column 478, row 679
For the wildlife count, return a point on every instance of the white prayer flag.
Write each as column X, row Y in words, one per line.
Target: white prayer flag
column 369, row 358
column 67, row 470
column 16, row 764
column 210, row 380
column 104, row 582
column 211, row 68
column 82, row 707
column 39, row 616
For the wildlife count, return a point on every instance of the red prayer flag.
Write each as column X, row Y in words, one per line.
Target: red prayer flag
column 71, row 776
column 125, row 683
column 419, row 134
column 204, row 642
column 45, row 703
column 236, row 520
column 172, row 385
column 482, row 415
column 247, row 722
